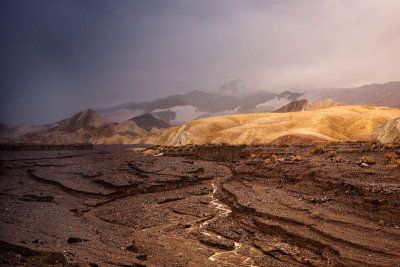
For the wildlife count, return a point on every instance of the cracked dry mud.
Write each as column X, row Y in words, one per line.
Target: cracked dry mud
column 200, row 206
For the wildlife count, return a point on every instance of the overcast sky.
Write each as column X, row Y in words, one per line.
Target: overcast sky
column 60, row 57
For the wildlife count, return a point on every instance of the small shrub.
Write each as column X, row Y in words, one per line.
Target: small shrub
column 280, row 160
column 392, row 155
column 261, row 154
column 315, row 214
column 257, row 155
column 396, row 162
column 296, row 158
column 319, row 149
column 367, row 159
column 381, row 222
column 372, row 147
column 331, row 154
column 308, row 154
column 273, row 157
column 268, row 162
column 388, row 146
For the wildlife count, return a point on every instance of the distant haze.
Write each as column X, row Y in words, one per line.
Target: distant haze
column 59, row 57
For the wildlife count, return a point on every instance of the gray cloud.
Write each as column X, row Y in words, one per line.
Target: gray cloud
column 59, row 57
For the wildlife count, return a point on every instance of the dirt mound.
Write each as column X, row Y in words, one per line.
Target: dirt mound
column 388, row 132
column 298, row 139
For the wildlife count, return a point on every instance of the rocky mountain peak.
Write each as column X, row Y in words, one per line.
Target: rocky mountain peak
column 85, row 119
column 294, row 106
column 147, row 121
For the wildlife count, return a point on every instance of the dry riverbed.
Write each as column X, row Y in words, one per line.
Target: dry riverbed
column 200, row 206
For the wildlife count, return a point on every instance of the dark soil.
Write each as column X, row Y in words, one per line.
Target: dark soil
column 200, row 206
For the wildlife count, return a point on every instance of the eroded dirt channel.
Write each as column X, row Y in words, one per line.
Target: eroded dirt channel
column 200, row 206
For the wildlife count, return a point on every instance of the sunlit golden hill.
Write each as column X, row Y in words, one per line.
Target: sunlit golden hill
column 343, row 123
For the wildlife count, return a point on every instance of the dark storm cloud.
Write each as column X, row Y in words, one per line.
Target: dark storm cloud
column 59, row 57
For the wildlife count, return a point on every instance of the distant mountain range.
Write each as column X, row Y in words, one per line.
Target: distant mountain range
column 9, row 133
column 231, row 98
column 123, row 123
column 178, row 109
column 84, row 127
column 385, row 94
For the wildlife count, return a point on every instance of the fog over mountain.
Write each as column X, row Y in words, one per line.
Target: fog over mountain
column 60, row 57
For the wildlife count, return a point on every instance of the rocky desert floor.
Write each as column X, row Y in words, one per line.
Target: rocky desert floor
column 296, row 205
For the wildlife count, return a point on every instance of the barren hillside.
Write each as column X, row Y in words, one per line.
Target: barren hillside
column 335, row 123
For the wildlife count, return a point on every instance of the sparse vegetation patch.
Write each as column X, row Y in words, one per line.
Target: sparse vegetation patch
column 367, row 160
column 296, row 158
column 319, row 149
column 388, row 146
column 392, row 155
column 331, row 154
column 315, row 215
